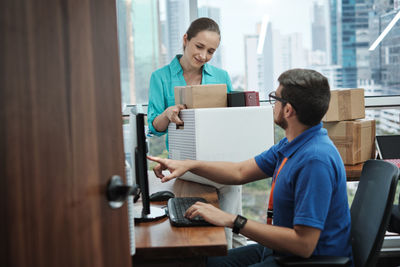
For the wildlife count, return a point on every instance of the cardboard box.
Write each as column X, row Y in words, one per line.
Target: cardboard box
column 346, row 105
column 355, row 139
column 252, row 98
column 201, row 96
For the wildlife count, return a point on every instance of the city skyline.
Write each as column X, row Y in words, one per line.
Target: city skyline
column 154, row 39
column 241, row 18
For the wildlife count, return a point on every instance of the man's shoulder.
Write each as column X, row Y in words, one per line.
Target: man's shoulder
column 321, row 148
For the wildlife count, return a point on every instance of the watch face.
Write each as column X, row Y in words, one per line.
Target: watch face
column 238, row 224
column 241, row 220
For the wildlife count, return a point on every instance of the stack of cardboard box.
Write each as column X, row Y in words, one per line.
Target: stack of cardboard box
column 353, row 135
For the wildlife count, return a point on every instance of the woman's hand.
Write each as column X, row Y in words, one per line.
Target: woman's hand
column 211, row 214
column 175, row 167
column 172, row 113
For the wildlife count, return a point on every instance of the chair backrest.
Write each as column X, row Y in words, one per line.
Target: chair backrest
column 371, row 209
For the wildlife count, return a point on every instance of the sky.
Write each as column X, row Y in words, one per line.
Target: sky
column 240, row 17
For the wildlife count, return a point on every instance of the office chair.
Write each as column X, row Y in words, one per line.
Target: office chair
column 370, row 214
column 394, row 223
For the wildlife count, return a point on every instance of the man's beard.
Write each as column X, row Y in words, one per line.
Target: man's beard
column 281, row 121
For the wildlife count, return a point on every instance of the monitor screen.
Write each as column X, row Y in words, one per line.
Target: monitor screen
column 143, row 212
column 141, row 163
column 388, row 146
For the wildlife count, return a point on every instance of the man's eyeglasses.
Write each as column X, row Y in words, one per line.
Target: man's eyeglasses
column 272, row 98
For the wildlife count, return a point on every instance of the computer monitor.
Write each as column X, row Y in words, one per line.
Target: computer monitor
column 388, row 146
column 139, row 169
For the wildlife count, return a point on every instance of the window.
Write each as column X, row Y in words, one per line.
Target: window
column 332, row 37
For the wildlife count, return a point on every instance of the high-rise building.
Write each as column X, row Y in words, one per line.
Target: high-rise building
column 349, row 39
column 318, row 28
column 348, row 58
column 333, row 73
column 146, row 45
column 335, row 32
column 126, row 59
column 210, row 12
column 214, row 14
column 383, row 6
column 253, row 64
column 390, row 55
column 288, row 52
column 320, row 50
column 265, row 49
column 374, row 58
column 387, row 120
column 316, row 58
column 179, row 14
column 296, row 50
column 383, row 61
column 268, row 54
column 139, row 47
column 362, row 39
column 259, row 60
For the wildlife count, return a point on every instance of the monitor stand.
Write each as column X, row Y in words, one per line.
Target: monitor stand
column 155, row 214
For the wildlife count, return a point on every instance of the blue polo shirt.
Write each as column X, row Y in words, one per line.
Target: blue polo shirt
column 311, row 189
column 164, row 80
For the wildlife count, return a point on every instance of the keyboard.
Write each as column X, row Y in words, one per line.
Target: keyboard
column 176, row 212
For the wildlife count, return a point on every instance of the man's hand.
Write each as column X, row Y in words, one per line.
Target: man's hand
column 175, row 167
column 172, row 113
column 211, row 214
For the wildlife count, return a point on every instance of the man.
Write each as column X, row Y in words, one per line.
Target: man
column 308, row 205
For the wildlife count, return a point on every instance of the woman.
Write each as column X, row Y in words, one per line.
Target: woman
column 199, row 44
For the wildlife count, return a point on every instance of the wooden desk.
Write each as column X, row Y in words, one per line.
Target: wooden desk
column 353, row 172
column 160, row 244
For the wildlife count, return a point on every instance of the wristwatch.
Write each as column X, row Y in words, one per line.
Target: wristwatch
column 238, row 224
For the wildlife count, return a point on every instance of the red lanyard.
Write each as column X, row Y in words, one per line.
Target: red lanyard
column 270, row 211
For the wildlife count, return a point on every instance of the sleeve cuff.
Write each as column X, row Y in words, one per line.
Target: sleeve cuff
column 153, row 130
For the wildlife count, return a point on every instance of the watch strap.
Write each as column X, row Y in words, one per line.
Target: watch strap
column 238, row 224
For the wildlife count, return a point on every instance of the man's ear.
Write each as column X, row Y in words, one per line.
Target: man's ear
column 289, row 111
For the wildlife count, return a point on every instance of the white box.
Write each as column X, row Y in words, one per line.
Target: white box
column 221, row 134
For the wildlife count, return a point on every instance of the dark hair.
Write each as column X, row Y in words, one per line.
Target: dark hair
column 202, row 24
column 308, row 91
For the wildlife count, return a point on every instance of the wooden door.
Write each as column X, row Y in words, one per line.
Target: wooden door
column 60, row 134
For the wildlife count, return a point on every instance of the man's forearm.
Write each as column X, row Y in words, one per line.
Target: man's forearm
column 232, row 173
column 219, row 171
column 300, row 241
